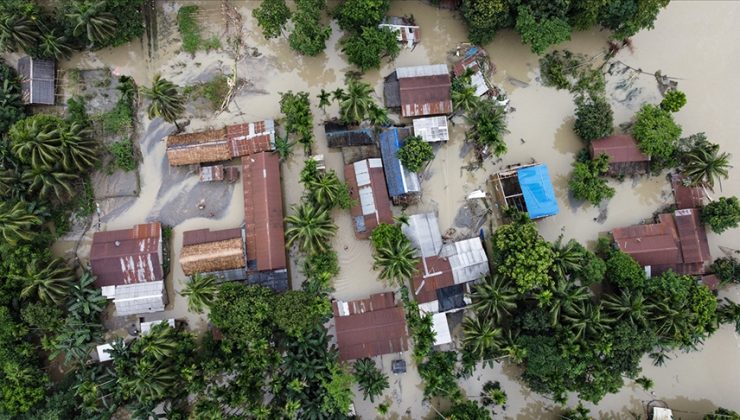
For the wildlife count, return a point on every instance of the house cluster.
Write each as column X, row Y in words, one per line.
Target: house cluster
column 128, row 263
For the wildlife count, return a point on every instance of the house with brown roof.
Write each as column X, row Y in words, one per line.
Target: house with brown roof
column 372, row 206
column 370, row 327
column 686, row 197
column 419, row 90
column 263, row 220
column 127, row 265
column 678, row 242
column 221, row 253
column 624, row 155
column 221, row 144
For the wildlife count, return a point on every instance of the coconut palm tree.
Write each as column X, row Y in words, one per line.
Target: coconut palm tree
column 16, row 221
column 17, row 32
column 201, row 290
column 494, row 298
column 49, row 182
column 160, row 342
column 11, row 103
column 90, row 19
column 85, row 300
column 338, row 95
column 378, row 116
column 149, row 381
column 568, row 257
column 79, row 150
column 35, row 140
column 566, row 297
column 54, row 45
column 283, row 147
column 481, row 337
column 397, row 261
column 465, row 99
column 587, row 321
column 166, row 101
column 357, row 102
column 8, row 182
column 372, row 381
column 729, row 313
column 50, row 281
column 324, row 99
column 704, row 164
column 325, row 189
column 311, row 228
column 488, row 127
column 630, row 306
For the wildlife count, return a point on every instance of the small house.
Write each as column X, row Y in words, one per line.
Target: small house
column 475, row 60
column 127, row 265
column 218, row 173
column 686, row 197
column 341, row 135
column 221, row 253
column 372, row 206
column 401, row 182
column 432, row 129
column 526, row 188
column 222, row 144
column 419, row 90
column 678, row 242
column 406, row 31
column 263, row 221
column 624, row 155
column 38, row 80
column 370, row 327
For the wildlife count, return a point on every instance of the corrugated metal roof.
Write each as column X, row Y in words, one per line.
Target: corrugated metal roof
column 468, row 260
column 221, row 144
column 686, row 197
column 38, row 80
column 211, row 173
column 422, row 71
column 432, row 129
column 127, row 256
column 621, row 148
column 423, row 232
column 201, row 236
column 427, row 95
column 432, row 273
column 692, row 236
column 441, row 329
column 366, row 182
column 398, row 179
column 277, row 280
column 405, row 31
column 263, row 211
column 339, row 135
column 132, row 299
column 392, row 91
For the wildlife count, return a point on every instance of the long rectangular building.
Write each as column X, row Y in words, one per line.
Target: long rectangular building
column 372, row 206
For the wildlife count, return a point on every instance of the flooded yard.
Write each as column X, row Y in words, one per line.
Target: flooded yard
column 704, row 57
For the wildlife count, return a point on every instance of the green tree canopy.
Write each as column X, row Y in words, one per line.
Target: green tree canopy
column 540, row 34
column 297, row 312
column 414, row 153
column 656, row 132
column 722, row 214
column 586, row 182
column 520, row 254
column 272, row 15
column 354, row 15
column 366, row 49
column 594, row 118
column 623, row 271
column 244, row 313
column 309, row 36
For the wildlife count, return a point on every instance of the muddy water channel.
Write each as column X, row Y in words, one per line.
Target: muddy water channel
column 695, row 42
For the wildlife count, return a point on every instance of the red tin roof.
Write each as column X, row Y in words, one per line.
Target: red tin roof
column 202, row 236
column 621, row 148
column 126, row 256
column 440, row 276
column 686, row 197
column 263, row 211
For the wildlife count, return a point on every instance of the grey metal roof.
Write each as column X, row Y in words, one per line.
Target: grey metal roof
column 37, row 80
column 392, row 91
column 432, row 129
column 139, row 298
column 422, row 71
column 423, row 232
column 467, row 258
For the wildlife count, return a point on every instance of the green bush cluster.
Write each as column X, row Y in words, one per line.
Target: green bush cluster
column 415, row 153
column 124, row 157
column 191, row 31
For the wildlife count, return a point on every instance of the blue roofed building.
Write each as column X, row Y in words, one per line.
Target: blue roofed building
column 401, row 182
column 526, row 188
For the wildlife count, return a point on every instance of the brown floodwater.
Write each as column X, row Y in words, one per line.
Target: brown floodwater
column 695, row 42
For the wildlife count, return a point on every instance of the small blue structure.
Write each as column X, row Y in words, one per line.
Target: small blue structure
column 539, row 195
column 399, row 180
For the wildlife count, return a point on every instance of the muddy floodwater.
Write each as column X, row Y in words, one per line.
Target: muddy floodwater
column 695, row 42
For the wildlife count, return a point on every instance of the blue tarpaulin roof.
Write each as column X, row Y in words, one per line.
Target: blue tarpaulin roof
column 537, row 190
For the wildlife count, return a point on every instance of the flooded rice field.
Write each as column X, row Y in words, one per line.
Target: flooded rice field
column 695, row 42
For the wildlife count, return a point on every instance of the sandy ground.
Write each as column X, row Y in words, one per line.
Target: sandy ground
column 704, row 57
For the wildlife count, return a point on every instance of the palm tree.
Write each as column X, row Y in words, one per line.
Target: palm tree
column 488, row 127
column 338, row 95
column 89, row 18
column 325, row 189
column 494, row 298
column 465, row 99
column 8, row 183
column 567, row 297
column 160, row 342
column 85, row 300
column 372, row 381
column 166, row 101
column 324, row 99
column 311, row 227
column 149, row 381
column 704, row 164
column 397, row 261
column 49, row 282
column 36, row 142
column 481, row 337
column 378, row 116
column 629, row 305
column 201, row 290
column 49, row 182
column 17, row 32
column 283, row 147
column 729, row 313
column 355, row 105
column 568, row 257
column 53, row 45
column 78, row 148
column 16, row 221
column 587, row 321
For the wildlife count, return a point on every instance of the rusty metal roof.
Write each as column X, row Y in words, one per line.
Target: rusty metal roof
column 127, row 256
column 621, row 148
column 425, row 95
column 366, row 181
column 692, row 236
column 686, row 197
column 263, row 212
column 220, row 144
column 426, row 285
column 370, row 327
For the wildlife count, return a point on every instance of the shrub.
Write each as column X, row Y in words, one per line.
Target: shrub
column 594, row 118
column 727, row 270
column 673, row 101
column 214, row 91
column 656, row 132
column 623, row 271
column 722, row 214
column 586, row 182
column 414, row 153
column 76, row 110
column 123, row 155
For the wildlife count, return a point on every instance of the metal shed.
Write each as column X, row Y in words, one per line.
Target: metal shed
column 38, row 80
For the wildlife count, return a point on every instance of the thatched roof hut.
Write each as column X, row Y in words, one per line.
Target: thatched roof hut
column 213, row 256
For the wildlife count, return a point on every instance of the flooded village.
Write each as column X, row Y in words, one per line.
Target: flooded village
column 211, row 193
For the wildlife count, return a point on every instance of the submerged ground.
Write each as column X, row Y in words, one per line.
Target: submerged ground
column 695, row 42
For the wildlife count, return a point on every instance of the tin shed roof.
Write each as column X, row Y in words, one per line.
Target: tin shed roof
column 263, row 212
column 399, row 180
column 432, row 129
column 367, row 189
column 423, row 232
column 424, row 90
column 621, row 148
column 686, row 197
column 127, row 256
column 38, row 80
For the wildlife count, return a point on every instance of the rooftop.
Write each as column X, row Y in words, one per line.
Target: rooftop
column 370, row 327
column 425, row 90
column 372, row 207
column 686, row 197
column 398, row 179
column 205, row 251
column 432, row 129
column 127, row 256
column 339, row 135
column 621, row 148
column 38, row 80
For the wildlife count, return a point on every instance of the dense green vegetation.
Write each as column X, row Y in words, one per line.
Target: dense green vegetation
column 298, row 117
column 586, row 182
column 722, row 214
column 544, row 23
column 309, row 36
column 272, row 15
column 486, row 118
column 415, row 153
column 191, row 33
column 656, row 133
column 367, row 48
column 594, row 118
